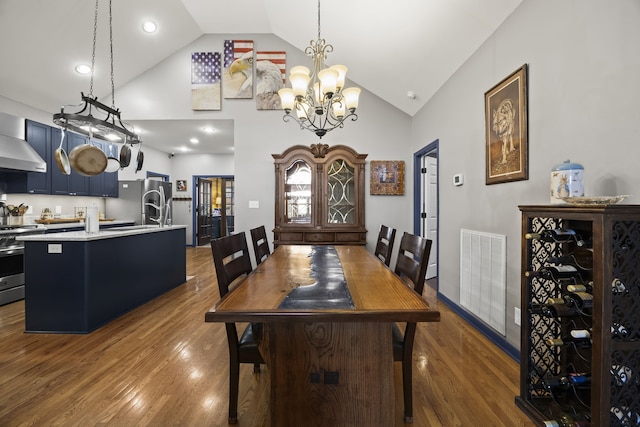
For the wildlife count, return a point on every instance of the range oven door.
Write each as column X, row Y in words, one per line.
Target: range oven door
column 11, row 274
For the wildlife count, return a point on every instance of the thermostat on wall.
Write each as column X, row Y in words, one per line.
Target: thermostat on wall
column 458, row 179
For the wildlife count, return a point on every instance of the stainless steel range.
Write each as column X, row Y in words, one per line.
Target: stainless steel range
column 12, row 261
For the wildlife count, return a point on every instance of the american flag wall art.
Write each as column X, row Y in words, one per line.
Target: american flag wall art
column 205, row 80
column 271, row 74
column 237, row 79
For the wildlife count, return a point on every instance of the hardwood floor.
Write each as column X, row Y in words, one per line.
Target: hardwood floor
column 162, row 365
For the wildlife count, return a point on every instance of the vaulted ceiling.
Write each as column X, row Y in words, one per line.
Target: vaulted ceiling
column 391, row 48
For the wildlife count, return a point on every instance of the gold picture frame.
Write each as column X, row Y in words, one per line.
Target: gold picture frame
column 506, row 129
column 387, row 177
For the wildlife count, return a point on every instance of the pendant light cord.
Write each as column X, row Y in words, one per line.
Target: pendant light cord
column 113, row 90
column 93, row 52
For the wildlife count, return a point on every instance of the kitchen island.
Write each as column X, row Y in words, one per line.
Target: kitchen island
column 78, row 281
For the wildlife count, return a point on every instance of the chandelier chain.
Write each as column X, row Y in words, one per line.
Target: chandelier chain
column 93, row 53
column 318, row 19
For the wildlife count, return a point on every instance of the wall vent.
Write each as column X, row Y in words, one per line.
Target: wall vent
column 483, row 277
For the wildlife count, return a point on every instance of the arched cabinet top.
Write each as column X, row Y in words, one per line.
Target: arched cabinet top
column 319, row 153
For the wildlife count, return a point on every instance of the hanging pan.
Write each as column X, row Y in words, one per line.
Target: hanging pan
column 125, row 156
column 88, row 160
column 139, row 158
column 61, row 157
column 113, row 163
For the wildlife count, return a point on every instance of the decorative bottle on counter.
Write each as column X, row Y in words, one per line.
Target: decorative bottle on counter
column 566, row 181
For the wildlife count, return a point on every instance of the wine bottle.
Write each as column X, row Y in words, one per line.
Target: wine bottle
column 619, row 331
column 554, row 310
column 557, row 235
column 557, row 273
column 618, row 288
column 581, row 333
column 571, row 260
column 623, row 416
column 567, row 381
column 580, row 300
column 621, row 374
column 567, row 421
column 568, row 340
column 580, row 287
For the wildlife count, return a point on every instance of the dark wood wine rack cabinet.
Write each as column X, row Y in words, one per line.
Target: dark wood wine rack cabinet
column 612, row 256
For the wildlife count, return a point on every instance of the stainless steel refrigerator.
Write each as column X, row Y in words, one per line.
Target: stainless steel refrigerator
column 142, row 201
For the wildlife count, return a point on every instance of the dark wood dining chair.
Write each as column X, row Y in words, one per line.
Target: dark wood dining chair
column 260, row 244
column 232, row 262
column 411, row 266
column 384, row 245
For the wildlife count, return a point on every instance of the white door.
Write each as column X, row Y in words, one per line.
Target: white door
column 429, row 208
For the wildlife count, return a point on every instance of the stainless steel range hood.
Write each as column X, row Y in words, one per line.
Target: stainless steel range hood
column 15, row 153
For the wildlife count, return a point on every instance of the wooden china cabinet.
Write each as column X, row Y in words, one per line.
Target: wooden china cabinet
column 319, row 196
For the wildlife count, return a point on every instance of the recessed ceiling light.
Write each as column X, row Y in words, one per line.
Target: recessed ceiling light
column 149, row 27
column 208, row 129
column 83, row 69
column 194, row 140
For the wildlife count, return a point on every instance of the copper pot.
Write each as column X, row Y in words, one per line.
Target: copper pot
column 88, row 160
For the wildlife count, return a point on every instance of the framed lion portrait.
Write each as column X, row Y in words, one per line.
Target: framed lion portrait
column 505, row 107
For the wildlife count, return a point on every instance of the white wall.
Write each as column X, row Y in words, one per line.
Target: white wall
column 382, row 131
column 583, row 90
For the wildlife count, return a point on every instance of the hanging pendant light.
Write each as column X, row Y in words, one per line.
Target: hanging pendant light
column 318, row 98
column 95, row 119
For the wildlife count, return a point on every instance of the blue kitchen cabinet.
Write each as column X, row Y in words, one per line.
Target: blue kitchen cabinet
column 40, row 137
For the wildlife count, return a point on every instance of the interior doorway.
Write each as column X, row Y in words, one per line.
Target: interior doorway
column 214, row 208
column 426, row 197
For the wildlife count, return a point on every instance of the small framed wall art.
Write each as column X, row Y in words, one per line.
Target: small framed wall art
column 181, row 185
column 387, row 177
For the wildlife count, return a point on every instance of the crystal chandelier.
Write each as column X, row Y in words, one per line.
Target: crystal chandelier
column 95, row 118
column 319, row 99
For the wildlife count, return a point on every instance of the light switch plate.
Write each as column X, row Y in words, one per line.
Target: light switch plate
column 58, row 209
column 254, row 204
column 516, row 317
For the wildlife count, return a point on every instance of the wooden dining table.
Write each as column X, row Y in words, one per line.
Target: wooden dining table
column 327, row 313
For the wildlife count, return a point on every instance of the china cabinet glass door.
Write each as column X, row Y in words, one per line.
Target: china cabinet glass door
column 341, row 203
column 298, row 193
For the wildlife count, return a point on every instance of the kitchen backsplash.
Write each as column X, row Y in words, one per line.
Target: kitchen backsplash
column 68, row 204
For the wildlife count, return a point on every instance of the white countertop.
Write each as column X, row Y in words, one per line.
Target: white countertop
column 110, row 233
column 80, row 225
